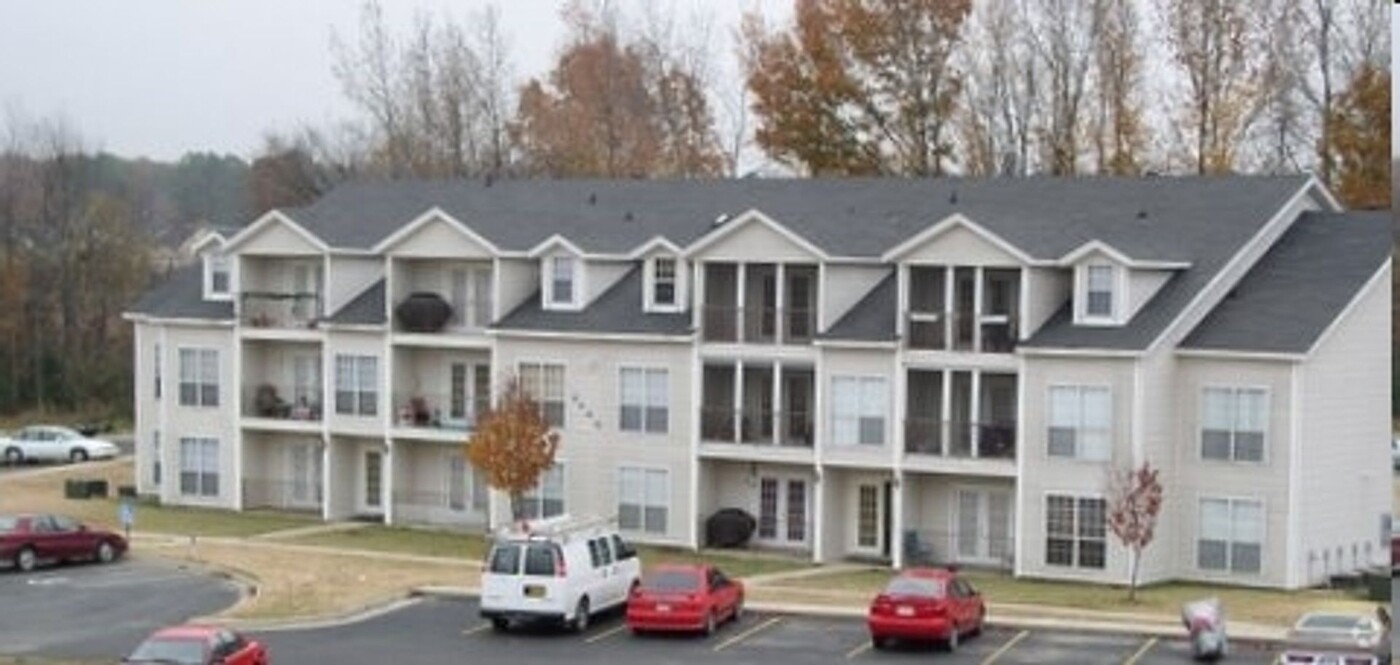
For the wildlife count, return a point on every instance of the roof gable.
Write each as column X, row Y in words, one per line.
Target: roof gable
column 754, row 235
column 275, row 233
column 436, row 234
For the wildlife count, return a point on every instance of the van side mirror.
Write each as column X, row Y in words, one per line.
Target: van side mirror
column 626, row 552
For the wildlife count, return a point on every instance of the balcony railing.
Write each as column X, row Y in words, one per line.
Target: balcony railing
column 272, row 309
column 280, row 403
column 759, row 325
column 955, row 439
column 955, row 331
column 281, row 493
column 755, row 426
column 942, row 547
column 436, row 499
column 437, row 411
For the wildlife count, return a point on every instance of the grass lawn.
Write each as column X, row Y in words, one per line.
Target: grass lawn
column 1254, row 605
column 733, row 565
column 422, row 542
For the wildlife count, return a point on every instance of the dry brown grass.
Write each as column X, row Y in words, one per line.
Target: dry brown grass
column 301, row 584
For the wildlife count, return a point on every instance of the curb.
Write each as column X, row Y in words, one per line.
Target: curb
column 363, row 613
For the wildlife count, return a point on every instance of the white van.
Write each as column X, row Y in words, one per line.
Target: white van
column 559, row 569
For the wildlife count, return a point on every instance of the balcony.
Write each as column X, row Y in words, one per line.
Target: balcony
column 274, row 402
column 276, row 309
column 282, row 494
column 959, row 439
column 441, row 412
column 756, row 427
column 760, row 303
column 963, row 309
column 738, row 325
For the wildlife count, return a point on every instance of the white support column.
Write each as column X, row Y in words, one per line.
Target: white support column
column 777, row 410
column 819, row 515
column 949, row 326
column 697, row 312
column 738, row 412
column 741, row 274
column 779, row 304
column 169, row 442
column 897, row 521
column 326, row 477
column 977, row 309
column 387, row 465
column 235, row 386
column 944, row 423
column 975, row 413
column 697, row 389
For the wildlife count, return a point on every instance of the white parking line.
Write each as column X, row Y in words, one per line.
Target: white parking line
column 1142, row 651
column 1006, row 647
column 747, row 634
column 605, row 634
column 860, row 649
column 476, row 629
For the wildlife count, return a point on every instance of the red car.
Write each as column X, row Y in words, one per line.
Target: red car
column 28, row 540
column 684, row 598
column 926, row 604
column 199, row 645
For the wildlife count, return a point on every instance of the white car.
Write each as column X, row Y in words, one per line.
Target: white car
column 558, row 570
column 52, row 443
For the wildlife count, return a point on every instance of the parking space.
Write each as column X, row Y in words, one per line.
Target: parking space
column 93, row 611
column 436, row 631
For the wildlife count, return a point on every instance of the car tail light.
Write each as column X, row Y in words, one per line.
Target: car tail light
column 881, row 606
column 561, row 567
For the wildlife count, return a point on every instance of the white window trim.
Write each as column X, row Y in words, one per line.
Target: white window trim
column 885, row 437
column 1200, row 424
column 356, row 390
column 854, row 523
column 649, row 285
column 1118, row 302
column 547, row 283
column 1263, row 534
column 667, row 492
column 624, row 367
column 1045, row 529
column 208, row 260
column 218, row 471
column 1112, row 423
column 563, row 387
column 199, row 380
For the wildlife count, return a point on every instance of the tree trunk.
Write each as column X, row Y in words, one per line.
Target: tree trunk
column 1133, row 562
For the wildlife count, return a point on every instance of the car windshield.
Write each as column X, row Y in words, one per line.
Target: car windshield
column 915, row 586
column 8, row 524
column 1331, row 622
column 505, row 559
column 671, row 581
column 187, row 651
column 539, row 560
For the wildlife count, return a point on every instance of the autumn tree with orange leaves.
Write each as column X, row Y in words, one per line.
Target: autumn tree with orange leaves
column 1360, row 140
column 513, row 444
column 857, row 87
column 1135, row 501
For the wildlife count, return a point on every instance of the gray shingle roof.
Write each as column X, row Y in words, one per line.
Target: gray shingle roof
column 1300, row 286
column 618, row 310
column 873, row 318
column 367, row 308
column 181, row 296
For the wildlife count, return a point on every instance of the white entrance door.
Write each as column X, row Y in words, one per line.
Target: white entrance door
column 869, row 519
column 371, row 494
column 305, row 465
column 782, row 510
column 983, row 523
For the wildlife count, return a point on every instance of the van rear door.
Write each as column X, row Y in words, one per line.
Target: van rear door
column 501, row 581
column 543, row 576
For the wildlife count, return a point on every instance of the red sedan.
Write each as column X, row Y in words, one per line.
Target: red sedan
column 199, row 645
column 684, row 598
column 28, row 540
column 926, row 604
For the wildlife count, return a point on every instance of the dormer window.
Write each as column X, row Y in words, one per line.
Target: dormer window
column 216, row 276
column 663, row 282
column 563, row 278
column 1098, row 289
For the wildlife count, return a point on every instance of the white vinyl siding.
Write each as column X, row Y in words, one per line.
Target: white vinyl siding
column 199, row 377
column 858, row 409
column 1081, row 422
column 1231, row 535
column 544, row 383
column 1075, row 531
column 642, row 503
column 456, row 482
column 645, row 400
column 356, row 385
column 199, row 467
column 547, row 499
column 1233, row 424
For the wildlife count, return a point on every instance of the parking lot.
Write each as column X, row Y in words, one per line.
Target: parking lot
column 93, row 611
column 434, row 631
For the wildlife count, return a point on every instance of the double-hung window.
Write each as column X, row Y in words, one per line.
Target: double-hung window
column 1098, row 292
column 663, row 282
column 356, row 385
column 199, row 467
column 155, row 369
column 1075, row 531
column 547, row 498
column 563, row 271
column 642, row 502
column 1233, row 423
column 471, row 297
column 218, row 275
column 645, row 402
column 858, row 407
column 544, row 383
column 1081, row 422
column 1231, row 535
column 199, row 377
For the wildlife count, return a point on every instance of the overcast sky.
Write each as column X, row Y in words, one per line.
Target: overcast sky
column 162, row 77
column 1394, row 89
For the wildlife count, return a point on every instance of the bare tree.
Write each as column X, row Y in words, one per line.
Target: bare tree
column 368, row 74
column 1000, row 93
column 1062, row 34
column 1119, row 129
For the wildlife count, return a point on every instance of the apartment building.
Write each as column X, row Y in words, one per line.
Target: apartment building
column 880, row 369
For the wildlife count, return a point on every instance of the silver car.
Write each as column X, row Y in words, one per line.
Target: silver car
column 53, row 443
column 1335, row 638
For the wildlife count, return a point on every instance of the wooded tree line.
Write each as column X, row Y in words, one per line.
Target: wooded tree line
column 879, row 87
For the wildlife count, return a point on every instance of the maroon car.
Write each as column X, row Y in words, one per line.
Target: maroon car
column 29, row 540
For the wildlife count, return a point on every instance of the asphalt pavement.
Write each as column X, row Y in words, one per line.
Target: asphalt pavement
column 439, row 631
column 101, row 611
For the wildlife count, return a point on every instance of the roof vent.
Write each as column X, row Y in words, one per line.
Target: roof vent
column 1142, row 214
column 593, row 198
column 953, row 198
column 723, row 217
column 490, row 178
column 627, row 216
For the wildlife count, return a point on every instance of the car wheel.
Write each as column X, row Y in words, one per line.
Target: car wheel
column 105, row 552
column 26, row 560
column 977, row 627
column 710, row 623
column 500, row 624
column 78, row 455
column 581, row 615
column 13, row 456
column 738, row 611
column 952, row 643
column 879, row 643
